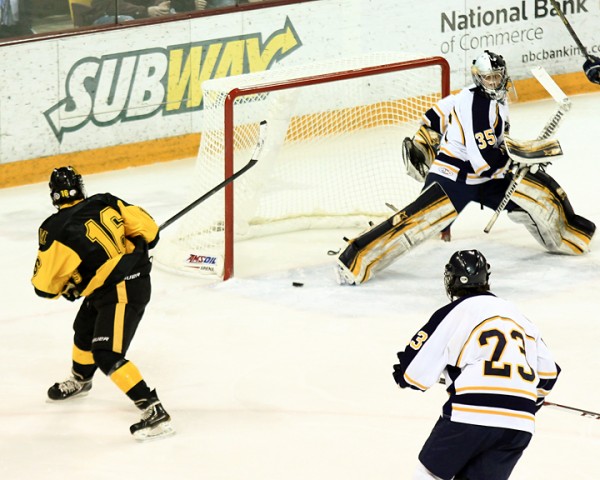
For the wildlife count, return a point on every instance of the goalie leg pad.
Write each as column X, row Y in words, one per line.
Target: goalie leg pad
column 419, row 152
column 549, row 216
column 377, row 248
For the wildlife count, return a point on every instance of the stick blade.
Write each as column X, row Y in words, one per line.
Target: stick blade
column 550, row 85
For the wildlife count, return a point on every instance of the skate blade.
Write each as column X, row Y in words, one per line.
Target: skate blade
column 68, row 399
column 162, row 430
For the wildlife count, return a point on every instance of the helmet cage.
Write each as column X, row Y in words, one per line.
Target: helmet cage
column 490, row 75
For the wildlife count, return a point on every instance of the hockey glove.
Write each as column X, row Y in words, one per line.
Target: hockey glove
column 539, row 404
column 591, row 67
column 399, row 373
column 70, row 292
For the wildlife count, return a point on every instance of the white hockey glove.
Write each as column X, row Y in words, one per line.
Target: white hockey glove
column 200, row 4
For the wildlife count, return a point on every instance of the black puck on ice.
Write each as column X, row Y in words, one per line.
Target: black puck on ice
column 297, row 284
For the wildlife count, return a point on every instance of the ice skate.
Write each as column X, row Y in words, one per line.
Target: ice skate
column 70, row 388
column 155, row 422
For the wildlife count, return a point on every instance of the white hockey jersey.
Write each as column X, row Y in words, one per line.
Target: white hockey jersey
column 437, row 117
column 473, row 128
column 494, row 360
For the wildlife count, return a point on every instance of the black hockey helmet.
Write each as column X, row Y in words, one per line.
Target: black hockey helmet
column 466, row 272
column 66, row 186
column 490, row 75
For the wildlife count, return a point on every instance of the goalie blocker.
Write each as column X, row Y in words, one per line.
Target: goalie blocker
column 378, row 247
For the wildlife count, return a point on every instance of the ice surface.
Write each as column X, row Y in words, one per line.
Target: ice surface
column 267, row 381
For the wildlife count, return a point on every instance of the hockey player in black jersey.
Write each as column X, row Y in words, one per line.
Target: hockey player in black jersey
column 461, row 154
column 497, row 371
column 96, row 249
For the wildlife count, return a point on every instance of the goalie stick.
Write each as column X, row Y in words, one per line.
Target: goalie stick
column 509, row 191
column 570, row 29
column 525, row 155
column 227, row 181
column 564, row 105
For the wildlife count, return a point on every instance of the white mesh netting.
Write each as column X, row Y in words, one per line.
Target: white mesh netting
column 332, row 156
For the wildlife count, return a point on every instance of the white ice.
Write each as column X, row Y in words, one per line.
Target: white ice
column 267, row 381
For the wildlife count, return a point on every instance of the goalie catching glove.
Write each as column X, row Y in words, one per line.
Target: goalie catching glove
column 419, row 152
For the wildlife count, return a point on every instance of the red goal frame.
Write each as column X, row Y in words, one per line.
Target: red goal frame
column 228, row 260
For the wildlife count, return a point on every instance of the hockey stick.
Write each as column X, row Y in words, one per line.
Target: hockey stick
column 227, row 181
column 570, row 29
column 564, row 105
column 578, row 411
column 509, row 192
column 524, row 155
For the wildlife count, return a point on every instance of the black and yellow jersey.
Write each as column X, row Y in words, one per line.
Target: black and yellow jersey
column 91, row 243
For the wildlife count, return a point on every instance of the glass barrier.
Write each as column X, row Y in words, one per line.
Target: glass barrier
column 24, row 18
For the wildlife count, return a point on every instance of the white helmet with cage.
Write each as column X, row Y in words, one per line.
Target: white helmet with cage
column 490, row 75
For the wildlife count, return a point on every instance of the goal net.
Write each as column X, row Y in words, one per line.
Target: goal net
column 332, row 155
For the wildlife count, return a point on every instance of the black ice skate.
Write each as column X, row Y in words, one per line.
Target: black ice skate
column 70, row 388
column 155, row 422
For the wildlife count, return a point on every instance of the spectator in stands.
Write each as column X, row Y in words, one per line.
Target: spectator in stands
column 110, row 11
column 15, row 18
column 221, row 3
column 104, row 12
column 179, row 6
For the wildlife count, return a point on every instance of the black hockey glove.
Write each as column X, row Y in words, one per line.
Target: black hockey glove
column 539, row 404
column 70, row 292
column 591, row 67
column 399, row 373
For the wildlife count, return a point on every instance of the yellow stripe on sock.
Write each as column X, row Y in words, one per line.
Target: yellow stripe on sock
column 126, row 377
column 82, row 357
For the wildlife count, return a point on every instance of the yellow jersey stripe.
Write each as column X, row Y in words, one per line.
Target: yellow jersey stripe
column 119, row 322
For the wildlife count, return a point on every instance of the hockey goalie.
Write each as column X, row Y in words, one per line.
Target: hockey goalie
column 463, row 154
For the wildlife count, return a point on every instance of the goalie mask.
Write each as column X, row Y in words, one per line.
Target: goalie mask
column 466, row 272
column 490, row 75
column 66, row 186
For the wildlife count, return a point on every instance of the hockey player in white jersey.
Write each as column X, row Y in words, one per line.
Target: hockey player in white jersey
column 471, row 164
column 497, row 370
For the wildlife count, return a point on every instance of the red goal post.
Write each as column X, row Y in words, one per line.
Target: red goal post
column 243, row 100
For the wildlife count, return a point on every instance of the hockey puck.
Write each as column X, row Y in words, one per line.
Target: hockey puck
column 297, row 284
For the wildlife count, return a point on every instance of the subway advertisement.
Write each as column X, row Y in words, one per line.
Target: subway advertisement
column 96, row 91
